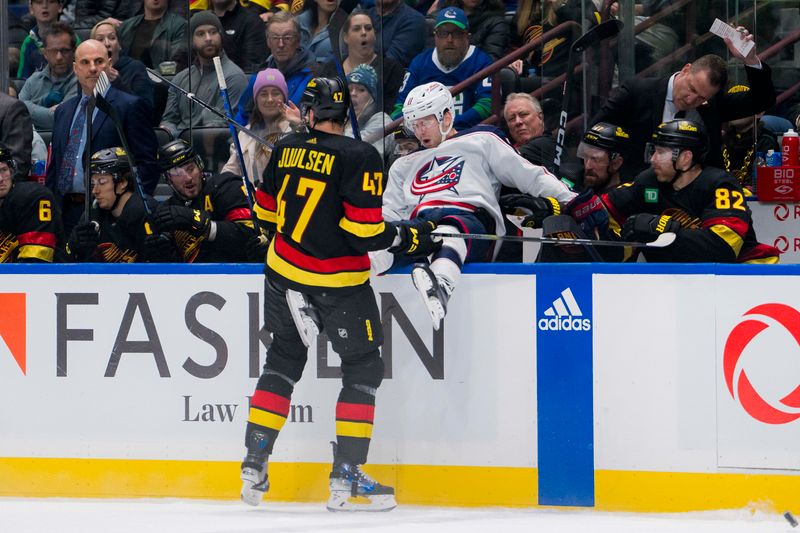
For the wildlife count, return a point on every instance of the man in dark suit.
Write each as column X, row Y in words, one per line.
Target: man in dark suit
column 697, row 93
column 65, row 175
column 16, row 132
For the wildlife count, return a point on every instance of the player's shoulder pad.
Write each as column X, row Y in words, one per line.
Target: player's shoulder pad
column 485, row 129
column 29, row 191
column 716, row 177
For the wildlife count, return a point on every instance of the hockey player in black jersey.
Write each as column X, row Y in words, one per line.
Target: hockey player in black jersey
column 322, row 195
column 30, row 222
column 703, row 206
column 208, row 214
column 117, row 230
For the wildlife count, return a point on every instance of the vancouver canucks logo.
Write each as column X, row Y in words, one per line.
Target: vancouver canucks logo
column 438, row 174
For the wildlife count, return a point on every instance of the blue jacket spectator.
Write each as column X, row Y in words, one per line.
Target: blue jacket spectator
column 401, row 30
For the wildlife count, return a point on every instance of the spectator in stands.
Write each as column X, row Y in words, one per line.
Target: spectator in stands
column 288, row 55
column 201, row 79
column 453, row 60
column 208, row 214
column 487, row 23
column 313, row 22
column 371, row 120
column 273, row 116
column 534, row 18
column 641, row 104
column 56, row 82
column 65, row 173
column 90, row 12
column 156, row 36
column 402, row 30
column 45, row 12
column 243, row 37
column 16, row 132
column 525, row 120
column 125, row 74
column 359, row 38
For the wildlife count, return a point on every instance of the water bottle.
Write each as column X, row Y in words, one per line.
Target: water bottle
column 38, row 171
column 791, row 149
column 759, row 161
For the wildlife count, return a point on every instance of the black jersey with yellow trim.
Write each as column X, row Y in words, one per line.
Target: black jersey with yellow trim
column 30, row 225
column 323, row 193
column 224, row 199
column 716, row 224
column 122, row 238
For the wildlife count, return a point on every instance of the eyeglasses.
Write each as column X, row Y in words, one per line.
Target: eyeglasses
column 455, row 34
column 282, row 38
column 99, row 182
column 57, row 51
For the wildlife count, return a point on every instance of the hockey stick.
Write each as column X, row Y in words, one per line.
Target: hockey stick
column 335, row 25
column 87, row 153
column 246, row 183
column 108, row 109
column 599, row 33
column 157, row 78
column 663, row 240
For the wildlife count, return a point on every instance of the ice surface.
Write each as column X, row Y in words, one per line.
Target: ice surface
column 191, row 516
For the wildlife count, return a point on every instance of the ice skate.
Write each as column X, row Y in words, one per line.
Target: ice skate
column 435, row 292
column 255, row 480
column 305, row 317
column 350, row 487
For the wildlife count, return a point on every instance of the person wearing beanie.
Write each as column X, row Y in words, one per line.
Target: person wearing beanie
column 273, row 116
column 363, row 84
column 200, row 78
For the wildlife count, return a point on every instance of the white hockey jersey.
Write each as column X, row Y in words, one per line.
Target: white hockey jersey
column 465, row 172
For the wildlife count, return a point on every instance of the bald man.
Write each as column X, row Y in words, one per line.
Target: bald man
column 65, row 176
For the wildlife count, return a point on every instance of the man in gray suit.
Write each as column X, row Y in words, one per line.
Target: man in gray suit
column 16, row 132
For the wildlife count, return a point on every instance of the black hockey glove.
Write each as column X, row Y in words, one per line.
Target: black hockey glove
column 537, row 208
column 415, row 238
column 256, row 248
column 588, row 210
column 177, row 217
column 160, row 248
column 83, row 240
column 646, row 227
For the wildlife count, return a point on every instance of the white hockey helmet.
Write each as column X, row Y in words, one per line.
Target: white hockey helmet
column 429, row 99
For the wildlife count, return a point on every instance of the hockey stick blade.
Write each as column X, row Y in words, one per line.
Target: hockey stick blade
column 599, row 33
column 663, row 240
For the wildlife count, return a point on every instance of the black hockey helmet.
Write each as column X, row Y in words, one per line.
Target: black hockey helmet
column 113, row 161
column 606, row 136
column 328, row 97
column 681, row 134
column 7, row 157
column 177, row 153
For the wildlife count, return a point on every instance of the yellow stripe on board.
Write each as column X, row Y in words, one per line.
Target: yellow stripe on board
column 655, row 492
column 463, row 486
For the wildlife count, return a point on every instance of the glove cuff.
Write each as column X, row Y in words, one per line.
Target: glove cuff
column 555, row 207
column 212, row 231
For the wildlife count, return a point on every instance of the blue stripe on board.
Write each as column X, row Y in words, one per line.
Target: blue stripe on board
column 564, row 381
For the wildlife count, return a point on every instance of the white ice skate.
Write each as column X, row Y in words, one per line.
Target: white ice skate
column 254, row 485
column 435, row 292
column 305, row 317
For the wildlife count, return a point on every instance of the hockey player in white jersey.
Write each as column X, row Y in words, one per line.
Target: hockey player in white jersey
column 455, row 182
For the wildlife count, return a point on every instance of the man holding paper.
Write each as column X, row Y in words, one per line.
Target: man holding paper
column 696, row 92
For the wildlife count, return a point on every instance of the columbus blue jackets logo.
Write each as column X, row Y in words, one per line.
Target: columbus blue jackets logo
column 438, row 174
